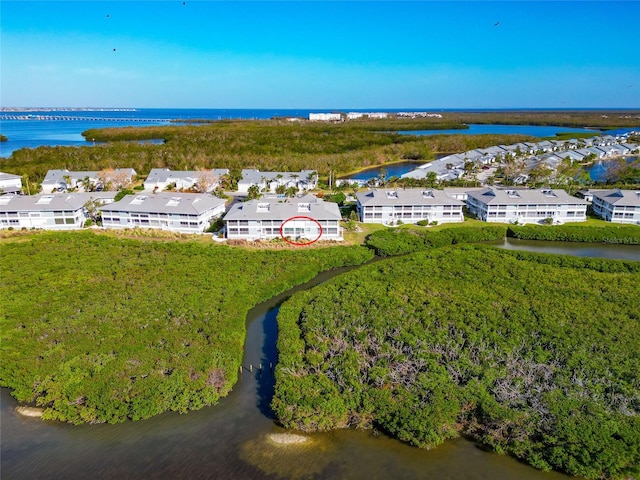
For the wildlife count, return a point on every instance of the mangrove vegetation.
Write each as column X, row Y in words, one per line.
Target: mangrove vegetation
column 533, row 355
column 100, row 329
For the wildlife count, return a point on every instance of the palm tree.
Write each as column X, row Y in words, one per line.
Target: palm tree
column 86, row 184
column 312, row 176
column 432, row 179
column 295, row 176
column 291, row 192
column 253, row 192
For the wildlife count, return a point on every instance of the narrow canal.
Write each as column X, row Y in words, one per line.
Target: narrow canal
column 231, row 440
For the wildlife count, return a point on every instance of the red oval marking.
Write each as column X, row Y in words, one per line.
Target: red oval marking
column 300, row 244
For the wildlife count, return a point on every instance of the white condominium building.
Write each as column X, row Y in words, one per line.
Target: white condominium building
column 306, row 217
column 176, row 212
column 408, row 205
column 618, row 206
column 526, row 206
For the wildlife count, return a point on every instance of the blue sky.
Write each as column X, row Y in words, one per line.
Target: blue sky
column 314, row 54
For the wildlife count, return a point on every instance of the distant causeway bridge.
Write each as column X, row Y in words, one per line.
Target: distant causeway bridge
column 83, row 118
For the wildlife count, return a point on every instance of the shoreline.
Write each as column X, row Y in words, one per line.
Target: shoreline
column 25, row 411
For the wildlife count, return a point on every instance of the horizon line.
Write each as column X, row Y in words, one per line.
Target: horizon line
column 314, row 108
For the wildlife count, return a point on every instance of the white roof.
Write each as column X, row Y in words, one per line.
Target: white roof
column 9, row 176
column 54, row 176
column 282, row 209
column 409, row 196
column 619, row 197
column 51, row 202
column 543, row 196
column 166, row 202
column 256, row 176
column 164, row 175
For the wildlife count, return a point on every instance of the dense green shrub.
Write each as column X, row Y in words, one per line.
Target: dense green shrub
column 395, row 241
column 619, row 234
column 266, row 145
column 534, row 355
column 98, row 329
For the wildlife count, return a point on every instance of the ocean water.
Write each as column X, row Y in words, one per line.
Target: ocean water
column 532, row 130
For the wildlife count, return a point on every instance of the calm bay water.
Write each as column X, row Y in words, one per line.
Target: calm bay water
column 594, row 250
column 229, row 440
column 392, row 170
column 477, row 129
column 598, row 172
